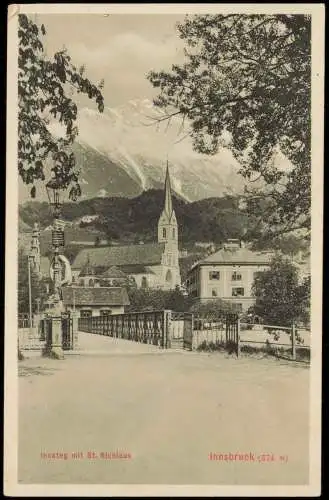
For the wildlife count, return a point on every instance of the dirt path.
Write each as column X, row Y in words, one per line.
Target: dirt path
column 168, row 410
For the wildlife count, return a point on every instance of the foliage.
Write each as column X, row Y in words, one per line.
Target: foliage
column 44, row 89
column 132, row 220
column 211, row 308
column 211, row 346
column 280, row 297
column 287, row 244
column 38, row 287
column 156, row 300
column 249, row 77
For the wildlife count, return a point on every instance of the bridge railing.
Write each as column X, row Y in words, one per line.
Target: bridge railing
column 145, row 327
column 24, row 320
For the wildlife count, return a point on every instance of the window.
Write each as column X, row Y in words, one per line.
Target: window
column 105, row 312
column 237, row 307
column 257, row 274
column 173, row 233
column 214, row 292
column 214, row 275
column 86, row 313
column 168, row 276
column 144, row 282
column 237, row 292
column 164, row 232
column 236, row 276
column 91, row 282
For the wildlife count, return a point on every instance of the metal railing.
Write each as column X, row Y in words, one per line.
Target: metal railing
column 145, row 327
column 24, row 320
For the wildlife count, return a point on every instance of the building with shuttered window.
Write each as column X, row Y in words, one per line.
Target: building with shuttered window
column 227, row 274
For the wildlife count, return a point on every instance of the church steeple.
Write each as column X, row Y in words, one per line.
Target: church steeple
column 167, row 226
column 35, row 248
column 168, row 234
column 168, row 197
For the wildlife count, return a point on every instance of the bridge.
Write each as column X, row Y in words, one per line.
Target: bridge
column 165, row 410
column 166, row 330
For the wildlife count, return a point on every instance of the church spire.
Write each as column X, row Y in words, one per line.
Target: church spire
column 168, row 208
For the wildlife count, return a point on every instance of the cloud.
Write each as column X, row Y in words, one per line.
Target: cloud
column 124, row 61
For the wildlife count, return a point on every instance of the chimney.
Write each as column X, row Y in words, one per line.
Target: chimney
column 232, row 244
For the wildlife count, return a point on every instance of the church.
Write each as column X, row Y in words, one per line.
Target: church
column 150, row 265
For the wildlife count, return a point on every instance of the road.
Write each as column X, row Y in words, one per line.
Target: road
column 166, row 411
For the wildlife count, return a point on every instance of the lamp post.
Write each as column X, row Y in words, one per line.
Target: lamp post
column 29, row 260
column 55, row 194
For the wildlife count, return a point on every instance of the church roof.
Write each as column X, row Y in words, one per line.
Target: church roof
column 87, row 269
column 98, row 296
column 136, row 269
column 148, row 254
column 113, row 272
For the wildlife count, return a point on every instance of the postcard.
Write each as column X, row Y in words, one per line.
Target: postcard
column 163, row 309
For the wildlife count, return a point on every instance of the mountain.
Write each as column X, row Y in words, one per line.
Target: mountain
column 135, row 219
column 123, row 152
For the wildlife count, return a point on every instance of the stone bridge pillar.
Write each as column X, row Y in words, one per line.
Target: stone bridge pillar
column 75, row 318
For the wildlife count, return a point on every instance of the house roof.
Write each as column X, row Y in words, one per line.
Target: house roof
column 147, row 254
column 98, row 296
column 44, row 267
column 87, row 270
column 236, row 256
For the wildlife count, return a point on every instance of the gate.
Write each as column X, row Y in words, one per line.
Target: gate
column 67, row 332
column 188, row 331
column 181, row 330
column 232, row 332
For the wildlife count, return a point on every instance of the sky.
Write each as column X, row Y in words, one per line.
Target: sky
column 119, row 48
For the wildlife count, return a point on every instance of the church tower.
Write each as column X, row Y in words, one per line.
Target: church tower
column 35, row 249
column 168, row 234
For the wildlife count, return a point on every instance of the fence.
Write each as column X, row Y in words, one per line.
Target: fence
column 277, row 338
column 66, row 325
column 145, row 327
column 221, row 329
column 165, row 328
column 29, row 339
column 24, row 320
column 185, row 330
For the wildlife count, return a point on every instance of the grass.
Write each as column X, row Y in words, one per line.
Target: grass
column 268, row 349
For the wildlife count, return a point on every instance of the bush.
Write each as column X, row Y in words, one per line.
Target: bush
column 211, row 346
column 280, row 298
column 212, row 308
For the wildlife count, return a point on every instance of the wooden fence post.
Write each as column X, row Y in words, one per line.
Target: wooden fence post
column 166, row 329
column 293, row 341
column 238, row 327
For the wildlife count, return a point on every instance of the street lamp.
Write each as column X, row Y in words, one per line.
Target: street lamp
column 29, row 263
column 55, row 192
